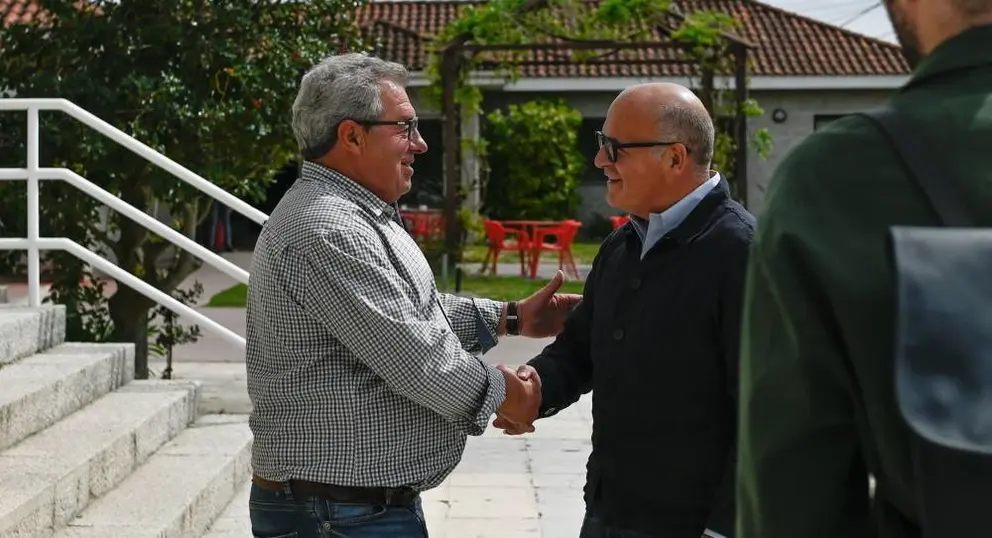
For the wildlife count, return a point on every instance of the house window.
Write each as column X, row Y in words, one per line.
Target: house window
column 822, row 120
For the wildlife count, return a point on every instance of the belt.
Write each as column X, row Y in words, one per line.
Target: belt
column 343, row 494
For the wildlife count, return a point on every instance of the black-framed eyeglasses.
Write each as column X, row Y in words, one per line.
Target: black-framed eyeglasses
column 612, row 145
column 410, row 124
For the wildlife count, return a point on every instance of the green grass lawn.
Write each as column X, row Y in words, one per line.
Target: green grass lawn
column 583, row 253
column 500, row 288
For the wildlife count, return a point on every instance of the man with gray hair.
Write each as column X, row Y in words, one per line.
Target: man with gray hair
column 361, row 374
column 656, row 334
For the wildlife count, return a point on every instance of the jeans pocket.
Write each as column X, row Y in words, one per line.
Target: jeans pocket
column 345, row 514
column 275, row 516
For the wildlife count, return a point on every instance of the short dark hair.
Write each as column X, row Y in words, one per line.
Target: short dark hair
column 691, row 126
column 973, row 8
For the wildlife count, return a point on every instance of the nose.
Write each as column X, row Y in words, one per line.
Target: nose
column 601, row 160
column 417, row 143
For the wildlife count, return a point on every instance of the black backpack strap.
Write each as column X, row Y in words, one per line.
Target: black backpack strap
column 914, row 148
column 934, row 349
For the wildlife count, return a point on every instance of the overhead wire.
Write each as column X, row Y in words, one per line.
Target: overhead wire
column 860, row 14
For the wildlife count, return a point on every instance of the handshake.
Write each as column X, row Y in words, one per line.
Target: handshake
column 523, row 400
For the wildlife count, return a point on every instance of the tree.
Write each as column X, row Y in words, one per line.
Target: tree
column 534, row 161
column 208, row 83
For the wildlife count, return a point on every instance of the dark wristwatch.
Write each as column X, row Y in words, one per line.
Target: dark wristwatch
column 512, row 320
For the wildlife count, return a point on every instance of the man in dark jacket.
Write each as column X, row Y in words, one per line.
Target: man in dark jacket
column 656, row 334
column 818, row 407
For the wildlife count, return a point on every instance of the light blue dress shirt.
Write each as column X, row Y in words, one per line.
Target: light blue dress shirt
column 660, row 224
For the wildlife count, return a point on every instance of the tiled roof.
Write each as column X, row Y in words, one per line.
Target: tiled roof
column 785, row 43
column 13, row 11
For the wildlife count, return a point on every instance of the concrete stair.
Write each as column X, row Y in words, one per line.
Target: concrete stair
column 234, row 521
column 86, row 450
column 26, row 331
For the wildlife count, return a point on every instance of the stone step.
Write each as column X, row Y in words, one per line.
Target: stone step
column 25, row 331
column 50, row 477
column 40, row 390
column 234, row 521
column 180, row 491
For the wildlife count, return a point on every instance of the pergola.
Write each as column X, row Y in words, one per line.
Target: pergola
column 461, row 49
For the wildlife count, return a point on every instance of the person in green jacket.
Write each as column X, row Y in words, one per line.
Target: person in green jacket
column 818, row 412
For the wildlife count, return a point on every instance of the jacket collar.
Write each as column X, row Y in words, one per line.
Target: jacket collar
column 698, row 220
column 967, row 50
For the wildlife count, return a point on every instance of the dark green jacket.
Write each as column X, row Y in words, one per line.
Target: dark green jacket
column 817, row 406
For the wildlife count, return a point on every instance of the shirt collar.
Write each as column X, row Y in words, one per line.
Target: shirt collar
column 661, row 224
column 347, row 187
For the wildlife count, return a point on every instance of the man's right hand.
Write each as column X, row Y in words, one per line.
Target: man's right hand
column 523, row 400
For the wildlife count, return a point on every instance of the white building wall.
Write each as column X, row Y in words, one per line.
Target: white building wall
column 801, row 108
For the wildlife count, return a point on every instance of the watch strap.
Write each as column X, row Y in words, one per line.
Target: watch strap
column 512, row 319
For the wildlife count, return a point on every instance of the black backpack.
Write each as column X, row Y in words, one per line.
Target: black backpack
column 943, row 344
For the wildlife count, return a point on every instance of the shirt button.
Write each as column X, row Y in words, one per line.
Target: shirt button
column 635, row 283
column 618, row 334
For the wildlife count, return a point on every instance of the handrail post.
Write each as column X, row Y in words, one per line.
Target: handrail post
column 34, row 219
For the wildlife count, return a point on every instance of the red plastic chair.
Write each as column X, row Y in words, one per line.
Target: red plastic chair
column 496, row 235
column 424, row 225
column 564, row 235
column 619, row 220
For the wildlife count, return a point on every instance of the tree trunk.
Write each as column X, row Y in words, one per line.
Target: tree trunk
column 129, row 312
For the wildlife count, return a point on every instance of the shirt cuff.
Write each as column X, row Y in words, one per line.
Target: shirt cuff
column 713, row 534
column 487, row 313
column 494, row 397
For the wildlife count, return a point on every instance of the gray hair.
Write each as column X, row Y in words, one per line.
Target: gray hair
column 691, row 126
column 340, row 87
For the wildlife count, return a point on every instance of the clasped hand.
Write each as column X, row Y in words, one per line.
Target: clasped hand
column 542, row 314
column 523, row 400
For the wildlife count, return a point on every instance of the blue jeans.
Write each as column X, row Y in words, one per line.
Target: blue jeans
column 279, row 515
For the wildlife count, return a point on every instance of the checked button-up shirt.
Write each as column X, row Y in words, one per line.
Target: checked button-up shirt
column 360, row 372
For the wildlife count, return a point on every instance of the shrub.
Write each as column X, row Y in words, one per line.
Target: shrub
column 533, row 160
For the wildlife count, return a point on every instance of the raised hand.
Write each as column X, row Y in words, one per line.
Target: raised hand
column 543, row 314
column 523, row 400
column 506, row 422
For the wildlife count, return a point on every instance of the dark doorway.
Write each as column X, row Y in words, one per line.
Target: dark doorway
column 244, row 231
column 428, row 186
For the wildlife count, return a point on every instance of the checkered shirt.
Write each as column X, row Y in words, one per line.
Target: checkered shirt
column 360, row 372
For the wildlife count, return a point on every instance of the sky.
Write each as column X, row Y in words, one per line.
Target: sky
column 866, row 17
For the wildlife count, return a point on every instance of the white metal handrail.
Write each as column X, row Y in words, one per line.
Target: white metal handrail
column 135, row 214
column 142, row 287
column 33, row 174
column 32, row 106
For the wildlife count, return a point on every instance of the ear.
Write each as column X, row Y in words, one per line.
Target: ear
column 350, row 135
column 678, row 157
